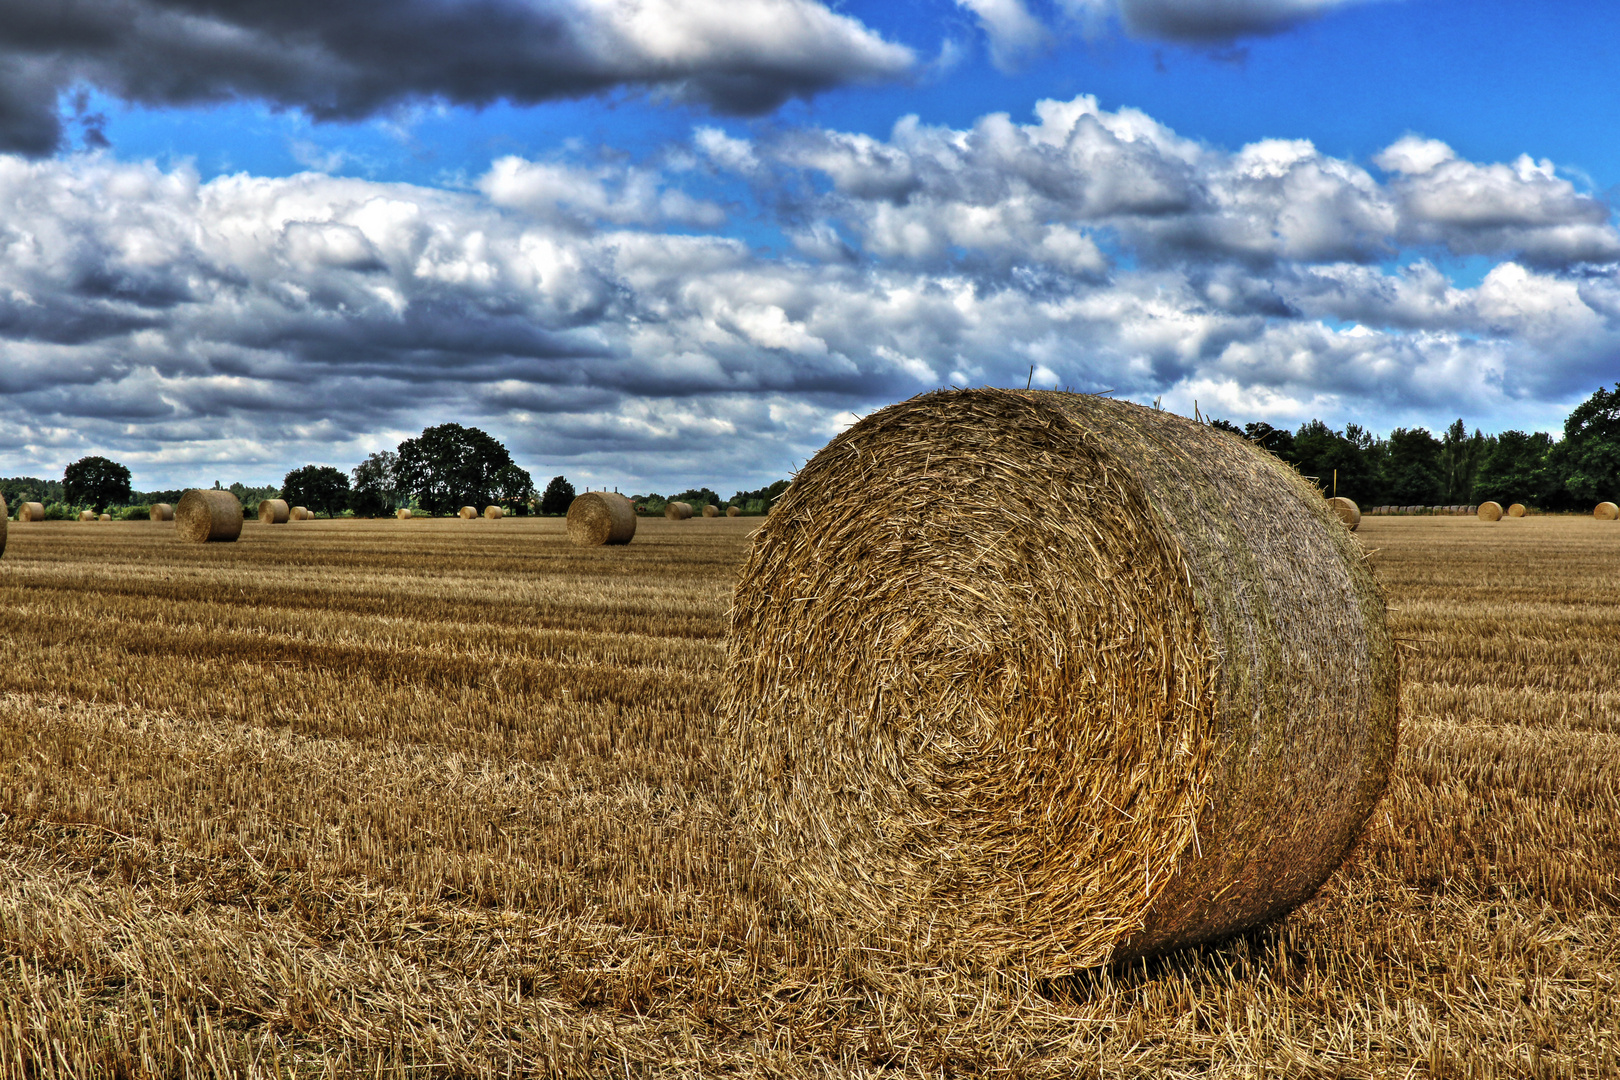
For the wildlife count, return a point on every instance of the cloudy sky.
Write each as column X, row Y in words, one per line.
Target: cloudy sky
column 659, row 243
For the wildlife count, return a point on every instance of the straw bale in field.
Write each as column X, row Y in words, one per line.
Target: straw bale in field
column 104, row 516
column 677, row 511
column 208, row 515
column 31, row 511
column 733, row 511
column 1082, row 718
column 493, row 512
column 1348, row 511
column 601, row 517
column 1606, row 511
column 299, row 513
column 161, row 512
column 5, row 513
column 87, row 515
column 403, row 513
column 274, row 511
column 1516, row 510
column 467, row 513
column 711, row 510
column 1489, row 511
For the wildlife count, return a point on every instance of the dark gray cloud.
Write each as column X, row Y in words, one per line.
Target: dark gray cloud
column 1218, row 22
column 350, row 60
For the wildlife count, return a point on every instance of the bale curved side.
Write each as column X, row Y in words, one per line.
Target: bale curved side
column 733, row 511
column 1489, row 511
column 1606, row 511
column 31, row 511
column 710, row 510
column 601, row 517
column 103, row 516
column 274, row 511
column 161, row 512
column 493, row 513
column 677, row 511
column 1348, row 511
column 87, row 515
column 467, row 513
column 403, row 513
column 1055, row 738
column 1516, row 510
column 204, row 516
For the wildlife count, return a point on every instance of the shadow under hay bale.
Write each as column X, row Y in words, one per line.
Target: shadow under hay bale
column 1489, row 511
column 274, row 511
column 208, row 516
column 161, row 512
column 1080, row 719
column 1348, row 512
column 677, row 511
column 31, row 511
column 601, row 517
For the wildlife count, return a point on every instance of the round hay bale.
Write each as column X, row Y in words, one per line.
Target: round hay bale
column 299, row 513
column 733, row 511
column 203, row 516
column 1081, row 720
column 161, row 512
column 493, row 513
column 467, row 513
column 5, row 513
column 601, row 517
column 711, row 510
column 403, row 513
column 274, row 511
column 31, row 511
column 104, row 516
column 1348, row 511
column 87, row 515
column 1516, row 510
column 1489, row 511
column 1606, row 511
column 677, row 511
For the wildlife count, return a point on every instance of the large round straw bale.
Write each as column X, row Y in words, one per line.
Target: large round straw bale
column 1348, row 511
column 1606, row 511
column 31, row 511
column 711, row 510
column 1516, row 510
column 161, row 512
column 299, row 513
column 103, row 516
column 87, row 515
column 1080, row 719
column 601, row 517
column 1489, row 511
column 678, row 511
column 467, row 513
column 5, row 513
column 403, row 513
column 733, row 511
column 493, row 512
column 205, row 515
column 274, row 511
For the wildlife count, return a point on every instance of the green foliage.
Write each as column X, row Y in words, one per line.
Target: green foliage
column 1277, row 440
column 1412, row 467
column 1517, row 467
column 514, row 489
column 20, row 489
column 316, row 487
column 1320, row 452
column 97, row 482
column 375, row 491
column 760, row 500
column 138, row 512
column 1589, row 456
column 698, row 498
column 450, row 466
column 558, row 494
column 1461, row 456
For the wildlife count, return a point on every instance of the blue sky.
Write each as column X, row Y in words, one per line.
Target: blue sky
column 665, row 243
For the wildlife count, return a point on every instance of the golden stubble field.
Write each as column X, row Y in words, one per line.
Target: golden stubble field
column 449, row 798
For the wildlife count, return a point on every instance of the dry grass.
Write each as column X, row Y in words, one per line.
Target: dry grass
column 349, row 800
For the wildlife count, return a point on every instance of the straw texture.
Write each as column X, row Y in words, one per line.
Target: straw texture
column 161, row 512
column 1606, row 511
column 1489, row 511
column 299, row 513
column 1348, row 511
column 711, row 510
column 493, row 512
column 274, row 511
column 677, row 511
column 1135, row 691
column 601, row 517
column 403, row 513
column 31, row 511
column 732, row 511
column 467, row 513
column 1516, row 510
column 5, row 514
column 205, row 516
column 104, row 516
column 87, row 515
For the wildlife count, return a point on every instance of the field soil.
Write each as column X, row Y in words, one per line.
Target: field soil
column 449, row 798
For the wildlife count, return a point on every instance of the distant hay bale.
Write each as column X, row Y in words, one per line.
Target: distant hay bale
column 1348, row 511
column 732, row 511
column 493, row 513
column 31, row 511
column 1606, row 511
column 467, row 513
column 1516, row 510
column 1489, row 511
column 677, row 511
column 403, row 513
column 299, row 513
column 274, row 511
column 711, row 510
column 601, row 517
column 5, row 514
column 1084, row 720
column 87, row 515
column 161, row 512
column 104, row 516
column 204, row 516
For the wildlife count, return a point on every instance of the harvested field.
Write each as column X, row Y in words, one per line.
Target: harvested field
column 275, row 808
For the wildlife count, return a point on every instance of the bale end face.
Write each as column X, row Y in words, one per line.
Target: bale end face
column 493, row 513
column 208, row 516
column 274, row 511
column 1489, row 511
column 1348, row 512
column 31, row 511
column 711, row 510
column 601, row 517
column 1606, row 511
column 87, row 515
column 299, row 513
column 467, row 513
column 161, row 512
column 733, row 511
column 1517, row 510
column 677, row 511
column 1084, row 722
